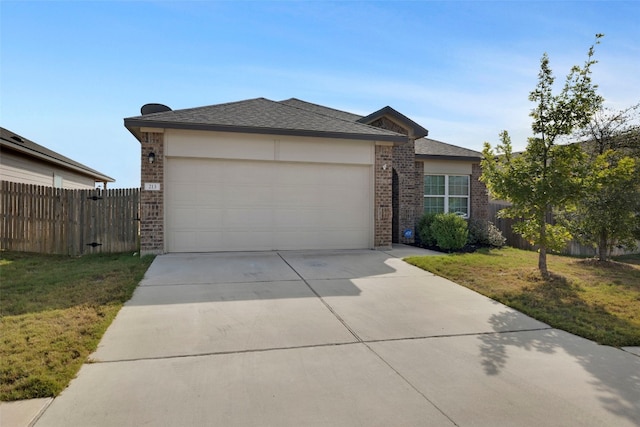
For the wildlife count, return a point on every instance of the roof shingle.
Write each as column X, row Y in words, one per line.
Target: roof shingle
column 261, row 115
column 292, row 117
column 430, row 148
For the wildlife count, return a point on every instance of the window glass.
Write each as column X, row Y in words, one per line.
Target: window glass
column 446, row 193
column 458, row 205
column 458, row 185
column 434, row 205
column 434, row 185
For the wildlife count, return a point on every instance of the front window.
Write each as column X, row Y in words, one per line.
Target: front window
column 446, row 193
column 57, row 181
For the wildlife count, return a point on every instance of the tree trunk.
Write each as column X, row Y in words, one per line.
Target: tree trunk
column 542, row 253
column 603, row 247
column 542, row 262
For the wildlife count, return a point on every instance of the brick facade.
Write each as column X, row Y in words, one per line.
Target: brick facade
column 405, row 165
column 479, row 194
column 409, row 188
column 399, row 161
column 383, row 196
column 152, row 201
column 419, row 203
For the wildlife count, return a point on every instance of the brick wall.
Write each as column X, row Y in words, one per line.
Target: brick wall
column 152, row 202
column 479, row 194
column 419, row 201
column 383, row 203
column 405, row 166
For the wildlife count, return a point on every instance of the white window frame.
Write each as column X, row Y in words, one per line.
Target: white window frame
column 58, row 181
column 446, row 195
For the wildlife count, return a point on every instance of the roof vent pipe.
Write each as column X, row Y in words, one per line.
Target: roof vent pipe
column 153, row 108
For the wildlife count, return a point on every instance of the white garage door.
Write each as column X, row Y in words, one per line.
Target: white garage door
column 239, row 205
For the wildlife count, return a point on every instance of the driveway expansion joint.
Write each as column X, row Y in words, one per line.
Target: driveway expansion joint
column 340, row 319
column 263, row 350
column 159, row 285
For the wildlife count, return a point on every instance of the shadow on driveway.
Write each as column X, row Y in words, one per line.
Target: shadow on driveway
column 613, row 374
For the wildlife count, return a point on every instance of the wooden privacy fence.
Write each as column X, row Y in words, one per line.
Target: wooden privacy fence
column 71, row 222
column 505, row 225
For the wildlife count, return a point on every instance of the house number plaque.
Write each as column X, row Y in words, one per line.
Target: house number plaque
column 152, row 186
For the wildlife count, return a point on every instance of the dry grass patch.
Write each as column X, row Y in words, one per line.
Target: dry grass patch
column 54, row 310
column 599, row 301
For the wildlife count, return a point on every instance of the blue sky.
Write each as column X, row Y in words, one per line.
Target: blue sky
column 70, row 71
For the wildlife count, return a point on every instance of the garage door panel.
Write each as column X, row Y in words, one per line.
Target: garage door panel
column 195, row 218
column 248, row 219
column 194, row 241
column 295, row 174
column 260, row 205
column 258, row 240
column 247, row 173
column 294, row 197
column 247, row 196
column 298, row 219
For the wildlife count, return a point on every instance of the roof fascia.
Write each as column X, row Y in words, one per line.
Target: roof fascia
column 457, row 158
column 48, row 159
column 134, row 125
column 416, row 131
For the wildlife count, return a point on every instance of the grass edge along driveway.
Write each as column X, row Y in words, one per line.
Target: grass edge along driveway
column 597, row 301
column 54, row 310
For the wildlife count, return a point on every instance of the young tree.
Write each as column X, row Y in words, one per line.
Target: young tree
column 609, row 212
column 547, row 175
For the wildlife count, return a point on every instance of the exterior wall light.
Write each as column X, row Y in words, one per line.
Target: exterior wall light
column 152, row 157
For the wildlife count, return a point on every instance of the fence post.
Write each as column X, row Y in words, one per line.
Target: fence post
column 63, row 221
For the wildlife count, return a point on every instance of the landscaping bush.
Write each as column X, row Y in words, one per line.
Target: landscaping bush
column 449, row 231
column 484, row 233
column 424, row 229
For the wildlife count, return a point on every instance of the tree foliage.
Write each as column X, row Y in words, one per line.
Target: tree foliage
column 608, row 214
column 547, row 176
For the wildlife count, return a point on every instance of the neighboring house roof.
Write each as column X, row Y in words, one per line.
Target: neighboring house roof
column 12, row 141
column 431, row 149
column 264, row 116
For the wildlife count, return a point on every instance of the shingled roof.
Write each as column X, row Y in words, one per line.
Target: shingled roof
column 322, row 110
column 264, row 116
column 431, row 149
column 299, row 118
column 14, row 142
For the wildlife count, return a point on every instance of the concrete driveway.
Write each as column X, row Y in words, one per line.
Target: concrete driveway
column 344, row 338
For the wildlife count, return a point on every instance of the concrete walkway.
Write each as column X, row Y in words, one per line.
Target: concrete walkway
column 336, row 338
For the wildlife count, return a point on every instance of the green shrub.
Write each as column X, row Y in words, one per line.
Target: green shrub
column 449, row 231
column 482, row 232
column 424, row 229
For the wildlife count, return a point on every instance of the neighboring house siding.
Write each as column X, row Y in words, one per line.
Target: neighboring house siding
column 17, row 168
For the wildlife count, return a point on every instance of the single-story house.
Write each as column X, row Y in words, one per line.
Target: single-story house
column 24, row 161
column 266, row 175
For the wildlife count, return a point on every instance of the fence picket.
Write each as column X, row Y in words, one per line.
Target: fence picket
column 505, row 225
column 63, row 221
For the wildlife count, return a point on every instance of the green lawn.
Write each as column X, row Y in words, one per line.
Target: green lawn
column 53, row 312
column 598, row 301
